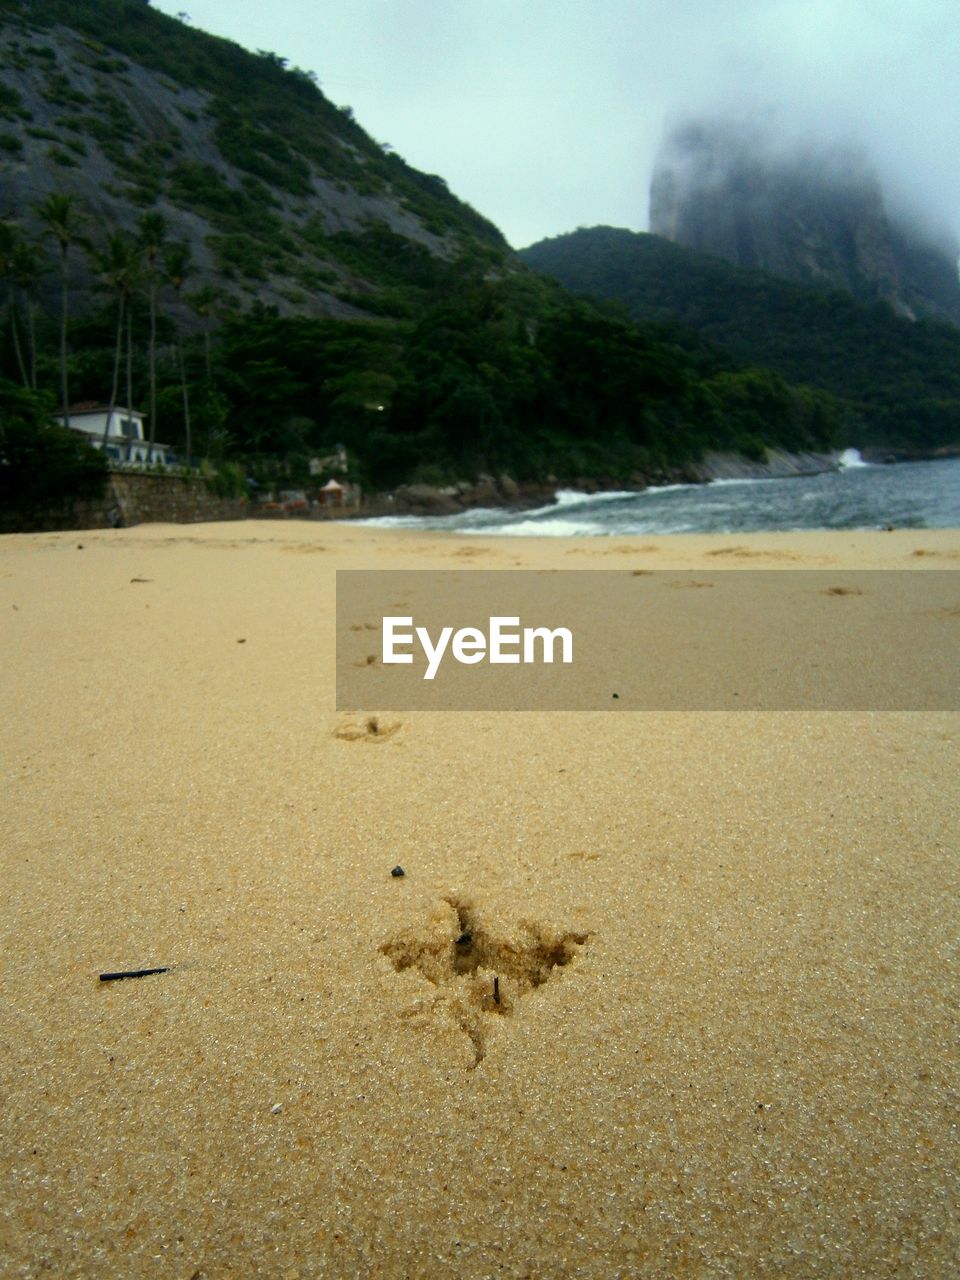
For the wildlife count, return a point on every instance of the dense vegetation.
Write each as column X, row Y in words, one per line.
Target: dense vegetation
column 43, row 466
column 899, row 380
column 509, row 375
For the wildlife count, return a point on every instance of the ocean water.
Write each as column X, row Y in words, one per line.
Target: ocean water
column 914, row 495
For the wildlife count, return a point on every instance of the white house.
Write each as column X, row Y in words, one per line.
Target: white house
column 125, row 439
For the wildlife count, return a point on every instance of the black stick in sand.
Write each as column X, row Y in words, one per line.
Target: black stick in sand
column 131, row 973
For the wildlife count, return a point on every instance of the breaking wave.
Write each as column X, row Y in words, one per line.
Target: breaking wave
column 857, row 496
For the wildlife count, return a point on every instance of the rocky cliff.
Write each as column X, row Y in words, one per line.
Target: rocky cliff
column 815, row 215
column 280, row 195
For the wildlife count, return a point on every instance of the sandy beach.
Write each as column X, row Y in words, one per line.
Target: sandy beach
column 726, row 1039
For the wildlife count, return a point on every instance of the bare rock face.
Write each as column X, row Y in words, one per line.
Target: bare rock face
column 280, row 196
column 815, row 216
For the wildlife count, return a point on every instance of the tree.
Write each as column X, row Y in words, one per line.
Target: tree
column 9, row 245
column 43, row 466
column 118, row 265
column 203, row 303
column 177, row 266
column 62, row 223
column 26, row 274
column 153, row 231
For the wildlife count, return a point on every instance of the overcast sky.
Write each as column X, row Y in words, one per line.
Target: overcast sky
column 546, row 115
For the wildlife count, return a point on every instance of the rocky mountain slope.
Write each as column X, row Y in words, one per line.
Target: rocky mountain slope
column 814, row 215
column 279, row 194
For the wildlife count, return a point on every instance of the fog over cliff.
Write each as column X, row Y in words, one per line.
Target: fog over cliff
column 808, row 209
column 862, row 89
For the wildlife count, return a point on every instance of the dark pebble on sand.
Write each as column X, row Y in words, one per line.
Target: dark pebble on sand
column 398, row 871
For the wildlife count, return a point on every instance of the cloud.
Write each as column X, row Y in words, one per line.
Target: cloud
column 877, row 74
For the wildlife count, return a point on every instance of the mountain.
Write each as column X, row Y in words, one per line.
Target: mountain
column 813, row 214
column 196, row 231
column 898, row 380
column 280, row 195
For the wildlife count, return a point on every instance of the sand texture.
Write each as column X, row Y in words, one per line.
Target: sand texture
column 726, row 944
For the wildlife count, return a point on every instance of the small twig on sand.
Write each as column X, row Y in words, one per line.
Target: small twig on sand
column 131, row 973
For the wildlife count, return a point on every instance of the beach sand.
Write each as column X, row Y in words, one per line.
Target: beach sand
column 727, row 943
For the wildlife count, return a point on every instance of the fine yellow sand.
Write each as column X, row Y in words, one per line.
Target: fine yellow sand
column 727, row 1036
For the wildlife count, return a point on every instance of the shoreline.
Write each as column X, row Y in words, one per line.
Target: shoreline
column 505, row 493
column 140, row 498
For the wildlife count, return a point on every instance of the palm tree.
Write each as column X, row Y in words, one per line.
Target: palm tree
column 62, row 223
column 9, row 246
column 118, row 264
column 153, row 230
column 177, row 266
column 26, row 268
column 203, row 303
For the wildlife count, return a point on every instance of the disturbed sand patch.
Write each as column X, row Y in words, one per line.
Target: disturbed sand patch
column 480, row 971
column 366, row 729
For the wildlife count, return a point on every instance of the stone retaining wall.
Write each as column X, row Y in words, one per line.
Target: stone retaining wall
column 159, row 499
column 139, row 499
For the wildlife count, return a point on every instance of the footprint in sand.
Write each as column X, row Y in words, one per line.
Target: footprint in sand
column 468, row 553
column 366, row 729
column 477, row 972
column 750, row 553
column 842, row 591
column 644, row 549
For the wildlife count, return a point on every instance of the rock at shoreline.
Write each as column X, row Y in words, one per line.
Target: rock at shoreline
column 425, row 500
column 485, row 491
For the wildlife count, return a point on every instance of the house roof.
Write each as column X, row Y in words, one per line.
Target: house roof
column 91, row 406
column 331, row 484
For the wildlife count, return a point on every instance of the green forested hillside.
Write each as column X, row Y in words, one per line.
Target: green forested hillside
column 899, row 379
column 510, row 376
column 198, row 231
